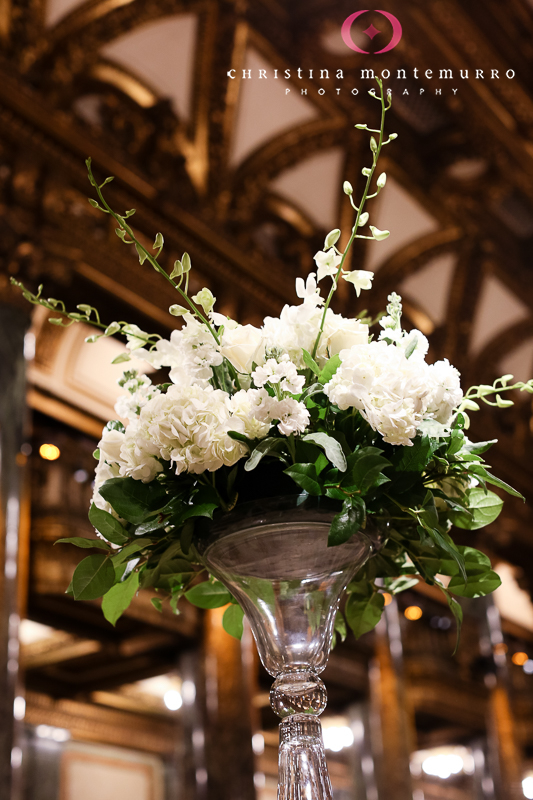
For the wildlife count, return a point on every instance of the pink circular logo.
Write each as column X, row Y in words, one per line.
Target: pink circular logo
column 371, row 31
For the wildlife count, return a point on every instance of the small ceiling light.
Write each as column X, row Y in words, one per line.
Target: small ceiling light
column 519, row 659
column 528, row 667
column 172, row 700
column 443, row 765
column 413, row 612
column 49, row 452
column 500, row 649
column 336, row 738
column 527, row 787
column 387, row 598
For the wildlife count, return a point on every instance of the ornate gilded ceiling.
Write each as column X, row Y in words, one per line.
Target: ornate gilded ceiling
column 247, row 177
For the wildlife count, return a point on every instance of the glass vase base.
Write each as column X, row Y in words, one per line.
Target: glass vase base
column 303, row 773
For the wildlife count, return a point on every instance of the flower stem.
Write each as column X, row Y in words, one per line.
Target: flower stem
column 375, row 156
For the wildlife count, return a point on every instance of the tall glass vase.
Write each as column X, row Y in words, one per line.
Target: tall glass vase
column 273, row 557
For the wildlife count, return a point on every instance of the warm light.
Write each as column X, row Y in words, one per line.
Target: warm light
column 49, row 452
column 387, row 598
column 337, row 738
column 49, row 732
column 413, row 612
column 519, row 659
column 172, row 700
column 258, row 744
column 500, row 649
column 443, row 765
column 527, row 787
column 19, row 708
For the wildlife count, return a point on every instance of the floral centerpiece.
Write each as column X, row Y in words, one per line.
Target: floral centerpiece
column 311, row 403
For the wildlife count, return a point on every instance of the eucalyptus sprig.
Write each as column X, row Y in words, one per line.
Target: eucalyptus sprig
column 180, row 269
column 362, row 217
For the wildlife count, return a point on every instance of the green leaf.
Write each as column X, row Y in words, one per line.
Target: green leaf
column 457, row 612
column 364, row 468
column 93, row 577
column 129, row 550
column 131, row 499
column 305, row 476
column 118, row 598
column 484, row 508
column 157, row 604
column 329, row 370
column 477, row 586
column 310, row 362
column 121, row 358
column 483, row 472
column 80, row 541
column 347, row 522
column 331, row 447
column 208, row 595
column 362, row 615
column 475, row 562
column 107, row 525
column 232, row 621
column 340, row 625
column 200, row 510
column 268, row 445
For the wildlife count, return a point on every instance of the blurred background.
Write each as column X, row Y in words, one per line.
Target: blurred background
column 247, row 178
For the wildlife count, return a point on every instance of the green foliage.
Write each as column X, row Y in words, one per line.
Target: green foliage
column 232, row 621
column 92, row 578
column 117, row 599
column 208, row 595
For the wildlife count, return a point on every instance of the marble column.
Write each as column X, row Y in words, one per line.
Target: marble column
column 230, row 757
column 13, row 324
column 392, row 726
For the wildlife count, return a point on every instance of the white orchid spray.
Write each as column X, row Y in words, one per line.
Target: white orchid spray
column 309, row 398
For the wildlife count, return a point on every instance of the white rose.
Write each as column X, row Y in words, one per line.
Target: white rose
column 242, row 346
column 110, row 444
column 342, row 334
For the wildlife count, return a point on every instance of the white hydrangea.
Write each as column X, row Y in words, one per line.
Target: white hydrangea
column 189, row 426
column 108, row 466
column 445, row 393
column 190, row 353
column 139, row 455
column 295, row 330
column 387, row 388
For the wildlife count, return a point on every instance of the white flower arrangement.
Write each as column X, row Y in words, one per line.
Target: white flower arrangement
column 310, row 398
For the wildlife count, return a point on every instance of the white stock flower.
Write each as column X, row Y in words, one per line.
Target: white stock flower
column 295, row 330
column 283, row 372
column 292, row 416
column 341, row 334
column 190, row 353
column 189, row 426
column 242, row 346
column 360, row 278
column 243, row 406
column 140, row 390
column 327, row 263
